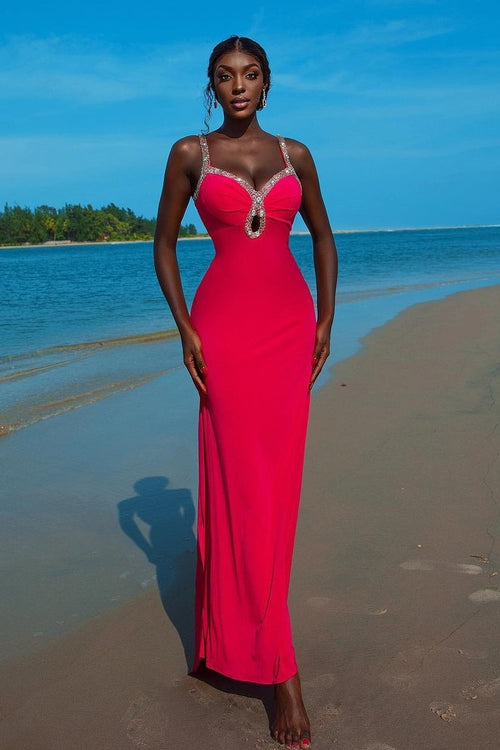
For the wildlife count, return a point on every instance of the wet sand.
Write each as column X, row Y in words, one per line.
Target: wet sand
column 394, row 599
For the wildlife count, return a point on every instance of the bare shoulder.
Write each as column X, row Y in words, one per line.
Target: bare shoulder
column 300, row 156
column 186, row 152
column 187, row 144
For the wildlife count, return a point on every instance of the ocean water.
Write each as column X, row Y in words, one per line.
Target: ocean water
column 81, row 323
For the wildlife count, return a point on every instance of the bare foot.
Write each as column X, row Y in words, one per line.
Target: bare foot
column 290, row 725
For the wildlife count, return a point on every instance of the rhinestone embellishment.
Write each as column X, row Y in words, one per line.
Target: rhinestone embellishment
column 257, row 210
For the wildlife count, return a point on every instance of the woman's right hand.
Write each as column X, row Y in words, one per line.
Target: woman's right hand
column 194, row 360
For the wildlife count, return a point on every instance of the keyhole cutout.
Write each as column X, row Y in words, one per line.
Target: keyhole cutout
column 255, row 225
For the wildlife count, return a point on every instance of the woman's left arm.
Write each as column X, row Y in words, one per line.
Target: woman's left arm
column 313, row 212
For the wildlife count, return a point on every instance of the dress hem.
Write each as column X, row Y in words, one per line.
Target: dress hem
column 239, row 678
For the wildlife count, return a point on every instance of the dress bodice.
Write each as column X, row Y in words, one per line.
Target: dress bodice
column 226, row 201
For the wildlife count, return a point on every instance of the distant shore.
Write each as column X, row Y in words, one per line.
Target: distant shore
column 69, row 243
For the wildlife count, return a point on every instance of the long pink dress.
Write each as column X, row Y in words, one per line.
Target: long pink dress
column 256, row 320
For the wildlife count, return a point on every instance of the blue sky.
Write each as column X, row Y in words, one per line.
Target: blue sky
column 398, row 101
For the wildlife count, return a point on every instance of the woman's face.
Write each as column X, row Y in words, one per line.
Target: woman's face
column 238, row 83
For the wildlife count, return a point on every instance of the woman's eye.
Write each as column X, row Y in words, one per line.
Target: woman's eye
column 224, row 77
column 253, row 75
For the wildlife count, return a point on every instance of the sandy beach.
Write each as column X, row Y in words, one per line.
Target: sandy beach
column 395, row 597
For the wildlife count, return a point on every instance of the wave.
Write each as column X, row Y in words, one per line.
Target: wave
column 32, row 371
column 50, row 405
column 139, row 338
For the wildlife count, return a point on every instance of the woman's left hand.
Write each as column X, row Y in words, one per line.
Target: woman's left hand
column 321, row 350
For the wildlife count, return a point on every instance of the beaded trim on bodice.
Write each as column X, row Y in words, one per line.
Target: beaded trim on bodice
column 257, row 210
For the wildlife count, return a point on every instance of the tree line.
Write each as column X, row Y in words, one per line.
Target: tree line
column 75, row 223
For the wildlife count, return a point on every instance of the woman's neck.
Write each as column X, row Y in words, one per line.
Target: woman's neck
column 233, row 128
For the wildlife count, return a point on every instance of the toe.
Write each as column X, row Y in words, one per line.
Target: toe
column 305, row 742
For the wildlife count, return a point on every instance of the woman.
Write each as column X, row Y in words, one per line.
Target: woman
column 253, row 347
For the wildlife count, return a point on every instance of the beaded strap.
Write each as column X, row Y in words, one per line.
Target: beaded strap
column 205, row 163
column 284, row 150
column 204, row 150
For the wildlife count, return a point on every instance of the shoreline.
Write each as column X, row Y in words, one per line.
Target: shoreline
column 394, row 597
column 69, row 243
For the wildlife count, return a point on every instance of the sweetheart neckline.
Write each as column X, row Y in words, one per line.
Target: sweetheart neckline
column 253, row 192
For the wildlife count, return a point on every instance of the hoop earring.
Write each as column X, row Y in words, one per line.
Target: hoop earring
column 263, row 98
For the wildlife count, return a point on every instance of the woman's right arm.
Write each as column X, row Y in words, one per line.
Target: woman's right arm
column 180, row 178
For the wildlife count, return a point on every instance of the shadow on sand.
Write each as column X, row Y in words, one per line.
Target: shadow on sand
column 170, row 545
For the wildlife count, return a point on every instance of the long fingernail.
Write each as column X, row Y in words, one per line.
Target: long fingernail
column 203, row 370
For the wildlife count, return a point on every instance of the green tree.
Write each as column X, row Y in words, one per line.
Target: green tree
column 77, row 223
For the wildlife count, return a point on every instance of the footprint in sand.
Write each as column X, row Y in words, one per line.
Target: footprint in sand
column 445, row 711
column 475, row 697
column 483, row 596
column 146, row 722
column 464, row 568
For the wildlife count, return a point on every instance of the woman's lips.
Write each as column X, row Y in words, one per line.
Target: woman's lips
column 240, row 103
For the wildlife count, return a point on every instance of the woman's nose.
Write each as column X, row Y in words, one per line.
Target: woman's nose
column 238, row 85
